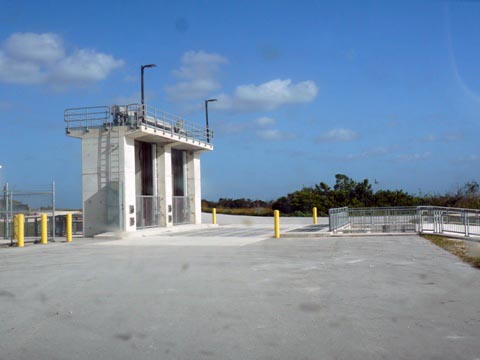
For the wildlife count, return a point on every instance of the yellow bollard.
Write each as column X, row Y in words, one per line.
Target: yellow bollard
column 214, row 216
column 20, row 230
column 276, row 224
column 43, row 230
column 315, row 220
column 68, row 227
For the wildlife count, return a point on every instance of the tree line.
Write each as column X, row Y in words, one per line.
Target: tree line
column 345, row 192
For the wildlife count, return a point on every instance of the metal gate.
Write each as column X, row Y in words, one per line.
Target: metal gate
column 181, row 210
column 148, row 211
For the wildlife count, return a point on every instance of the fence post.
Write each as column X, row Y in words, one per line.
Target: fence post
column 420, row 220
column 315, row 220
column 465, row 221
column 20, row 230
column 43, row 230
column 440, row 220
column 330, row 220
column 69, row 227
column 214, row 216
column 15, row 227
column 53, row 210
column 276, row 224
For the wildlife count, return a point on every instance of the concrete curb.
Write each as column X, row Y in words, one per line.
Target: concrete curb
column 329, row 234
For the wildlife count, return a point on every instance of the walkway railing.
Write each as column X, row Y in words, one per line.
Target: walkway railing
column 418, row 219
column 338, row 218
column 181, row 210
column 135, row 115
column 148, row 211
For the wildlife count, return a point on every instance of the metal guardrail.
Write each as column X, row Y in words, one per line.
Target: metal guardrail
column 453, row 220
column 135, row 115
column 148, row 211
column 418, row 219
column 338, row 218
column 172, row 124
column 181, row 210
column 86, row 117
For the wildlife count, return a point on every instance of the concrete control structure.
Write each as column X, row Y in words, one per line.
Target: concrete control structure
column 140, row 167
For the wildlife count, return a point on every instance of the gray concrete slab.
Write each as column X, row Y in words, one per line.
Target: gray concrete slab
column 327, row 298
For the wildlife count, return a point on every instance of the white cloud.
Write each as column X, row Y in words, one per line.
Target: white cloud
column 338, row 135
column 446, row 137
column 28, row 58
column 274, row 135
column 85, row 66
column 268, row 96
column 368, row 154
column 264, row 121
column 198, row 74
column 231, row 128
column 36, row 48
column 197, row 64
column 414, row 157
column 470, row 158
column 261, row 126
column 18, row 72
column 194, row 89
column 198, row 78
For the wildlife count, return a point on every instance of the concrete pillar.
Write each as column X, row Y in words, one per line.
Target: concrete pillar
column 128, row 177
column 194, row 190
column 164, row 184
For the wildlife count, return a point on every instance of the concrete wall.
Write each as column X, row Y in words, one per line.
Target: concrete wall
column 128, row 177
column 100, row 188
column 164, row 184
column 109, row 197
column 194, row 189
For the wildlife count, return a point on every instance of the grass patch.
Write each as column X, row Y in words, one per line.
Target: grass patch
column 456, row 247
column 259, row 211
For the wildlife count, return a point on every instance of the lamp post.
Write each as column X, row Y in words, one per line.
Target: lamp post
column 143, row 67
column 206, row 117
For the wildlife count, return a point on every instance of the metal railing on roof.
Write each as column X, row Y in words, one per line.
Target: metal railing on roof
column 135, row 115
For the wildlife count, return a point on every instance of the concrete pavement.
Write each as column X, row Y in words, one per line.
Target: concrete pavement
column 189, row 296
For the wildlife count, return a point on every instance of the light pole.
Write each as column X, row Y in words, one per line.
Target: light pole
column 206, row 117
column 143, row 67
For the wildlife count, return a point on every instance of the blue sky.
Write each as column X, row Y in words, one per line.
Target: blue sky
column 379, row 90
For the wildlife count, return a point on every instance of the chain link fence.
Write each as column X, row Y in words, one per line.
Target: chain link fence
column 31, row 203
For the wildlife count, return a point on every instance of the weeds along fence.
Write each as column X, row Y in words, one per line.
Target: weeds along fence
column 420, row 219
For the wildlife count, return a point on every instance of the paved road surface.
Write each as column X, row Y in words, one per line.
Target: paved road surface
column 234, row 293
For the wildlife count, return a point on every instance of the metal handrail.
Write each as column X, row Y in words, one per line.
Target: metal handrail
column 136, row 115
column 181, row 210
column 87, row 117
column 148, row 211
column 418, row 219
